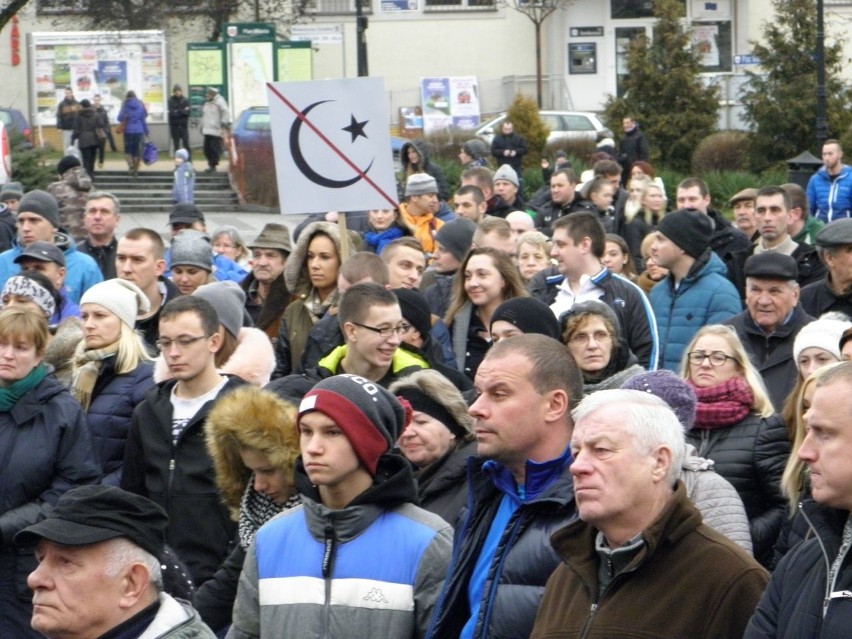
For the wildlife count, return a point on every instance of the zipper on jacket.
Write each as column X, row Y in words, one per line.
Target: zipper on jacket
column 515, row 528
column 172, row 465
column 827, row 599
column 588, row 624
column 327, row 573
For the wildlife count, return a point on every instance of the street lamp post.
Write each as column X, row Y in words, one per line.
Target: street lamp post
column 821, row 118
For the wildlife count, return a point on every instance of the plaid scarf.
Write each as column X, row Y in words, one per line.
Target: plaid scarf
column 723, row 405
column 256, row 509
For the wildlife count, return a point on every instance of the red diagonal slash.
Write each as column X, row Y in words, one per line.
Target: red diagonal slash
column 331, row 145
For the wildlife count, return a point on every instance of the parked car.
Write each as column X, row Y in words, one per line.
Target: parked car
column 12, row 118
column 5, row 156
column 564, row 126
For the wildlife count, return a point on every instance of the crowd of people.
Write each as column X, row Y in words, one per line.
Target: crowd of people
column 487, row 413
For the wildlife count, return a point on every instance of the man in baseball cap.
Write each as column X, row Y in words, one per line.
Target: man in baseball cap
column 99, row 554
column 46, row 258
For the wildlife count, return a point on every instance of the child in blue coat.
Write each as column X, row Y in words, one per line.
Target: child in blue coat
column 184, row 185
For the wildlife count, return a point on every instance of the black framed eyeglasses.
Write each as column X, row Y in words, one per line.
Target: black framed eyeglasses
column 165, row 344
column 717, row 358
column 385, row 333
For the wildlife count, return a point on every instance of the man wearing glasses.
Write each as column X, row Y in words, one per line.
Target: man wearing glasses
column 771, row 321
column 166, row 458
column 372, row 326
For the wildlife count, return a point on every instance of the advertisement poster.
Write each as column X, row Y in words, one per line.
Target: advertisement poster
column 449, row 102
column 705, row 38
column 99, row 63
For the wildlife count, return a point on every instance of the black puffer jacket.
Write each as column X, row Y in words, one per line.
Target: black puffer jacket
column 522, row 563
column 793, row 604
column 751, row 455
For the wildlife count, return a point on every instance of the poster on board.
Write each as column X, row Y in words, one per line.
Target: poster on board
column 449, row 103
column 99, row 63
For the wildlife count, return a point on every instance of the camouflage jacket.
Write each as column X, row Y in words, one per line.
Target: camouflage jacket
column 71, row 193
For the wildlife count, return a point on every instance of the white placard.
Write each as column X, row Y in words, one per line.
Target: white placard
column 332, row 145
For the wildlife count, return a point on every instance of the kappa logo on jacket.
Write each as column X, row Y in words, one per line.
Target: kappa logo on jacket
column 376, row 596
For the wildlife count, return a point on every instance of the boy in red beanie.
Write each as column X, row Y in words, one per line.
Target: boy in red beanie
column 358, row 559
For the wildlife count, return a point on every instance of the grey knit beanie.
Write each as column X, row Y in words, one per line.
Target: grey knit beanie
column 192, row 248
column 420, row 184
column 456, row 236
column 228, row 299
column 508, row 174
column 41, row 203
column 122, row 298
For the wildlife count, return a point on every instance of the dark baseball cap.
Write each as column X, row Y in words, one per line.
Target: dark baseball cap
column 185, row 213
column 771, row 265
column 43, row 252
column 92, row 514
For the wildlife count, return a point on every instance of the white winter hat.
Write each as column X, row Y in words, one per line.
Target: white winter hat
column 123, row 298
column 823, row 333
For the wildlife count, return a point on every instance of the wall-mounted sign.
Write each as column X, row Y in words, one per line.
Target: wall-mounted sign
column 586, row 32
column 746, row 59
column 582, row 58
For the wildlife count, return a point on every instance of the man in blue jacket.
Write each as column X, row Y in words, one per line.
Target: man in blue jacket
column 696, row 291
column 809, row 592
column 830, row 188
column 519, row 490
column 38, row 220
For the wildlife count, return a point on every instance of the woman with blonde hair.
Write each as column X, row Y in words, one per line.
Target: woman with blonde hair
column 652, row 200
column 112, row 369
column 437, row 441
column 736, row 426
column 252, row 437
column 486, row 278
column 653, row 273
column 228, row 242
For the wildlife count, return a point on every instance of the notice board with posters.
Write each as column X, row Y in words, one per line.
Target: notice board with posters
column 98, row 63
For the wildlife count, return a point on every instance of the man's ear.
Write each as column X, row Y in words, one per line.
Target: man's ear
column 161, row 267
column 662, row 463
column 135, row 583
column 348, row 329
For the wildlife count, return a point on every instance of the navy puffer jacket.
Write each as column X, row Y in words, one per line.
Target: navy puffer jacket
column 113, row 400
column 751, row 455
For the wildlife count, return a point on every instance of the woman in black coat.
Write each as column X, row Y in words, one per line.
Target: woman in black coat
column 112, row 368
column 45, row 450
column 86, row 124
column 736, row 426
column 437, row 441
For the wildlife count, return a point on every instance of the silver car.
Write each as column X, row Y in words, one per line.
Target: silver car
column 564, row 126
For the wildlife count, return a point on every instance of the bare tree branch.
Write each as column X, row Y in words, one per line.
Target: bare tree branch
column 10, row 9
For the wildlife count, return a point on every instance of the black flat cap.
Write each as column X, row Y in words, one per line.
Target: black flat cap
column 771, row 265
column 92, row 514
column 834, row 234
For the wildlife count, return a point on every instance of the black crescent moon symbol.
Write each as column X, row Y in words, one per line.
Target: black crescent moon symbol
column 302, row 164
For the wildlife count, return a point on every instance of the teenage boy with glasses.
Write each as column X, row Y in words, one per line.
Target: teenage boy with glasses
column 372, row 325
column 166, row 458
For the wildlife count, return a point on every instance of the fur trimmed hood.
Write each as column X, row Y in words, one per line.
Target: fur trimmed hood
column 295, row 270
column 253, row 361
column 249, row 417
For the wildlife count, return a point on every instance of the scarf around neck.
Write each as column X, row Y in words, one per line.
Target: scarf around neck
column 9, row 395
column 87, row 367
column 722, row 405
column 256, row 509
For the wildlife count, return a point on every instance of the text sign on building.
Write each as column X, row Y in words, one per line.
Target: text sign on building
column 746, row 59
column 586, row 32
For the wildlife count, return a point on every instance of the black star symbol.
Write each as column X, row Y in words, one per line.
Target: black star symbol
column 356, row 128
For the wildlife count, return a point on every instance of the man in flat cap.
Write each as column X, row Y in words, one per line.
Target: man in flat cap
column 742, row 206
column 99, row 573
column 771, row 321
column 834, row 292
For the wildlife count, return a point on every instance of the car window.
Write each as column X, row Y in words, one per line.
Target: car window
column 552, row 121
column 6, row 117
column 258, row 122
column 578, row 123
